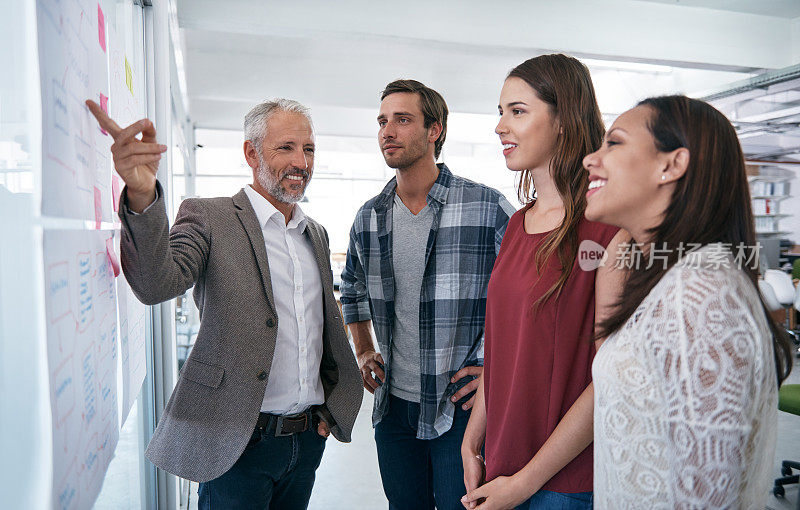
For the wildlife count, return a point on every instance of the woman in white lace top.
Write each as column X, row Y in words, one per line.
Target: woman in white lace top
column 686, row 381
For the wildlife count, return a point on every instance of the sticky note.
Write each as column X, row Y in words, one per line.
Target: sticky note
column 101, row 27
column 104, row 107
column 112, row 256
column 115, row 191
column 128, row 76
column 98, row 207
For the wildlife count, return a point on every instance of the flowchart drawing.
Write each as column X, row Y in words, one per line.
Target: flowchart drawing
column 95, row 326
column 82, row 355
column 75, row 152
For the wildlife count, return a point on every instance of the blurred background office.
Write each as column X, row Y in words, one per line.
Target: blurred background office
column 197, row 67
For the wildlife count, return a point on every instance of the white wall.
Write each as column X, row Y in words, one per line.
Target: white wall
column 349, row 168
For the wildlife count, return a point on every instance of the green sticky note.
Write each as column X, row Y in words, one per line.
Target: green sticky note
column 128, row 76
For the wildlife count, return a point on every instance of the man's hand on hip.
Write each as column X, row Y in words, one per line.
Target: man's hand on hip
column 323, row 429
column 468, row 388
column 371, row 362
column 136, row 161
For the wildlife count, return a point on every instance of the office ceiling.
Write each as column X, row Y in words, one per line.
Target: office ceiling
column 780, row 8
column 337, row 56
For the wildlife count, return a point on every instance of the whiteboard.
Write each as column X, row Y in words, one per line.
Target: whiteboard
column 95, row 328
column 126, row 105
column 82, row 355
column 73, row 67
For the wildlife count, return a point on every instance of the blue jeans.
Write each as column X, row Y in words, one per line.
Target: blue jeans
column 420, row 473
column 549, row 500
column 273, row 473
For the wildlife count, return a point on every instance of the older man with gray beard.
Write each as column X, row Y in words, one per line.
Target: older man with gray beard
column 262, row 280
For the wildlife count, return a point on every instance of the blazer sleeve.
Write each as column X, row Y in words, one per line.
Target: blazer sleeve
column 161, row 263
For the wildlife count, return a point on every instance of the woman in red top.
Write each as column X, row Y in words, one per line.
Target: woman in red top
column 535, row 400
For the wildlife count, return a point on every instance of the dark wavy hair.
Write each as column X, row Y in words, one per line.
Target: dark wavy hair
column 711, row 204
column 565, row 84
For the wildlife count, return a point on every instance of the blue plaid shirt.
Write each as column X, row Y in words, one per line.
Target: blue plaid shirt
column 468, row 226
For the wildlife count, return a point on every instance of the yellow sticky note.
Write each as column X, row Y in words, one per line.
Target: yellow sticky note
column 128, row 75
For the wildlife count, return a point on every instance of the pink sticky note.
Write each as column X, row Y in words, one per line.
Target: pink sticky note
column 101, row 27
column 98, row 208
column 104, row 107
column 115, row 191
column 112, row 256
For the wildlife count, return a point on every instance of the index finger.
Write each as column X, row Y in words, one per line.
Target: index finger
column 370, row 384
column 466, row 371
column 465, row 390
column 103, row 119
column 143, row 126
column 471, row 496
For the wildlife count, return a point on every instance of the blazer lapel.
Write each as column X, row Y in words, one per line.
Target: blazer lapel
column 247, row 215
column 321, row 256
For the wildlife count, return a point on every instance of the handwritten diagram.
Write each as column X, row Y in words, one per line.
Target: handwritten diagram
column 126, row 104
column 96, row 328
column 133, row 367
column 82, row 351
column 76, row 165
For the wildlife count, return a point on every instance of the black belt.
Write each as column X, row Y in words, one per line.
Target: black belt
column 285, row 425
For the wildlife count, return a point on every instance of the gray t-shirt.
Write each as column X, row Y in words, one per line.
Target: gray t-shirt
column 409, row 239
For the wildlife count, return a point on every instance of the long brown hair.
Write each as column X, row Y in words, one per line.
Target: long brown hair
column 711, row 204
column 564, row 83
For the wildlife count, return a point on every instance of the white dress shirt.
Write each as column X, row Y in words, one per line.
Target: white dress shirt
column 294, row 381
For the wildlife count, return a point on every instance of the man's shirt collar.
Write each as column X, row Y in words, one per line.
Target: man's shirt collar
column 438, row 191
column 265, row 211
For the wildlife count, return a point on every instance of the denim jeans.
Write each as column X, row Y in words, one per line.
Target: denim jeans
column 549, row 500
column 273, row 473
column 420, row 473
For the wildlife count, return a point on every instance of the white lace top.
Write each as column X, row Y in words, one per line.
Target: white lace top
column 685, row 395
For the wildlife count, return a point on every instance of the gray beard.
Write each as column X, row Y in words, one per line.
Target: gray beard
column 273, row 186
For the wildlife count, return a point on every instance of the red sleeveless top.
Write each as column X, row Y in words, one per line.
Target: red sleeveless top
column 537, row 363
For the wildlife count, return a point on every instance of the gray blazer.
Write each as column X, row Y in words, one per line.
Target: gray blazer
column 217, row 245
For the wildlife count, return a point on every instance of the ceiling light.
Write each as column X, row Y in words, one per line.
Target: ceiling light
column 627, row 66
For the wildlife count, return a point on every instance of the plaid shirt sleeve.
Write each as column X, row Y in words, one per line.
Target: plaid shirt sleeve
column 470, row 222
column 504, row 212
column 355, row 299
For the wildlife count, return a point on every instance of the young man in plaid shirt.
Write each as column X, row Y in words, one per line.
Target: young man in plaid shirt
column 419, row 261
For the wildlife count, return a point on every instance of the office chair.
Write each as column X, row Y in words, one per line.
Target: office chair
column 796, row 332
column 797, row 298
column 787, row 296
column 782, row 285
column 788, row 401
column 768, row 293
